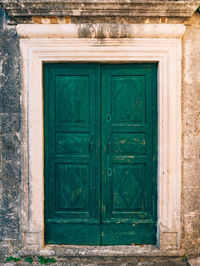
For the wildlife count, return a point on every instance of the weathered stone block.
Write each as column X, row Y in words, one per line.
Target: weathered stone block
column 32, row 240
column 168, row 240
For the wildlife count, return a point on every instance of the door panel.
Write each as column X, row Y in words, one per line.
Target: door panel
column 128, row 108
column 129, row 143
column 128, row 97
column 100, row 167
column 72, row 183
column 127, row 187
column 72, row 98
column 72, row 153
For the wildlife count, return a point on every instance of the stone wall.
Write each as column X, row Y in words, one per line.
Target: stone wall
column 11, row 165
column 191, row 136
column 10, row 150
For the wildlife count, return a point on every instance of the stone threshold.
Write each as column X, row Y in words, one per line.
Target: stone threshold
column 66, row 251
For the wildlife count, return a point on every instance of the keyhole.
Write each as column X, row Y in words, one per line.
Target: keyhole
column 109, row 172
column 108, row 117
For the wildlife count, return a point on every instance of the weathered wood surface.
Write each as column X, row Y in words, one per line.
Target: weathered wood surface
column 100, row 154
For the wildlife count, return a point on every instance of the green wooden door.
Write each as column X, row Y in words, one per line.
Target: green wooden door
column 72, row 153
column 100, row 135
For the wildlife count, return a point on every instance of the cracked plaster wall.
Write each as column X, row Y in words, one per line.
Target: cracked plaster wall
column 11, row 165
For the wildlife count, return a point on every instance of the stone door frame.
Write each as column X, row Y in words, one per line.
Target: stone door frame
column 159, row 43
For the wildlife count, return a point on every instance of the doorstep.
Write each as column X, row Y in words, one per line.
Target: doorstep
column 66, row 251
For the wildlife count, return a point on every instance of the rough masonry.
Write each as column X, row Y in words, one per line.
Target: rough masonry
column 12, row 185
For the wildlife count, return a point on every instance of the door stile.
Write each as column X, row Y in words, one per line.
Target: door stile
column 97, row 155
column 154, row 83
column 105, row 141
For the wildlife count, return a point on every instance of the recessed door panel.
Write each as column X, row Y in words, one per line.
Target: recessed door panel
column 128, row 98
column 72, row 98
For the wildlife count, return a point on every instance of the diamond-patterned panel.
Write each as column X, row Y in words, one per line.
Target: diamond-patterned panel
column 128, row 97
column 127, row 187
column 72, row 181
column 72, row 99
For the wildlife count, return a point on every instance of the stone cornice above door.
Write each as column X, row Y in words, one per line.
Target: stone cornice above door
column 24, row 9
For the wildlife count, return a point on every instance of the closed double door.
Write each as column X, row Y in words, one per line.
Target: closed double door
column 100, row 142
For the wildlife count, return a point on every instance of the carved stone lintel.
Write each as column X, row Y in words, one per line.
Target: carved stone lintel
column 100, row 31
column 109, row 8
